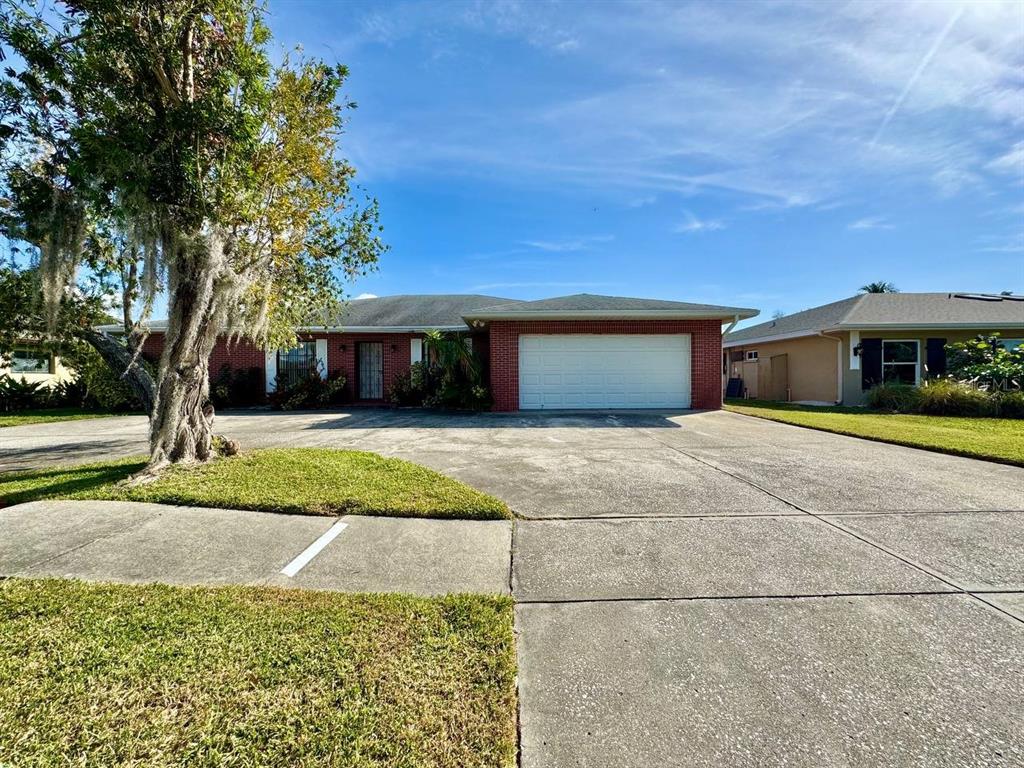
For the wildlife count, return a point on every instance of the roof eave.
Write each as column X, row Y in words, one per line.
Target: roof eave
column 727, row 343
column 622, row 314
column 929, row 326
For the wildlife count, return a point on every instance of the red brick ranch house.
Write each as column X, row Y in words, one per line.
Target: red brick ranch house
column 569, row 352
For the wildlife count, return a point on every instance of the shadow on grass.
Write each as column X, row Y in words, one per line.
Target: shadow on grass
column 63, row 482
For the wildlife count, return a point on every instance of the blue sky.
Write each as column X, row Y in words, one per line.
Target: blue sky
column 767, row 155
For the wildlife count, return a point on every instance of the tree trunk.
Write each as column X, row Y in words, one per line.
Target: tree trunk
column 122, row 361
column 181, row 429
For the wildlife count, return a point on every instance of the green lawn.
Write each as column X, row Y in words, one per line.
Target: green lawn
column 311, row 481
column 230, row 676
column 993, row 439
column 44, row 415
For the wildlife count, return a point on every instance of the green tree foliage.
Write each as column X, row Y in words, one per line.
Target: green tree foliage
column 164, row 123
column 987, row 361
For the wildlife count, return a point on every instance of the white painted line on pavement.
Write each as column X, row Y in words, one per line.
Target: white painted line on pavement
column 313, row 549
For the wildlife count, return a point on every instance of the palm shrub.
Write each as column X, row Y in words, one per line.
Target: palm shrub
column 21, row 394
column 453, row 377
column 69, row 393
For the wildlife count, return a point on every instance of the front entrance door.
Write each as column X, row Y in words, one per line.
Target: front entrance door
column 370, row 356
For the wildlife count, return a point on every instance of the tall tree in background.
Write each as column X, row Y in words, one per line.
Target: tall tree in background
column 879, row 287
column 165, row 121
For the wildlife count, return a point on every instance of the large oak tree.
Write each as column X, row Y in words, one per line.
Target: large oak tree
column 166, row 123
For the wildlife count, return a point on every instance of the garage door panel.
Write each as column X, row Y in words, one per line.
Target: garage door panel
column 604, row 371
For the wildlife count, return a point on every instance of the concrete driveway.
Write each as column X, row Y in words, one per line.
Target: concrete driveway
column 713, row 589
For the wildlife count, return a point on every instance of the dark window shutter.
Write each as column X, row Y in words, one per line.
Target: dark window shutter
column 870, row 363
column 936, row 357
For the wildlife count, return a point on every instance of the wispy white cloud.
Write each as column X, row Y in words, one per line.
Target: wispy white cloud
column 571, row 244
column 693, row 224
column 1012, row 243
column 870, row 222
column 921, row 66
column 1010, row 162
column 642, row 201
column 364, row 296
column 787, row 105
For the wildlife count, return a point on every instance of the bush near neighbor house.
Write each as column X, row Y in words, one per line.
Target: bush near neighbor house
column 450, row 377
column 947, row 397
column 950, row 397
column 1011, row 404
column 985, row 361
column 104, row 388
column 310, row 391
column 897, row 398
column 21, row 395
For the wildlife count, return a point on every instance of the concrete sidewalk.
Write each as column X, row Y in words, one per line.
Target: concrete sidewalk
column 134, row 543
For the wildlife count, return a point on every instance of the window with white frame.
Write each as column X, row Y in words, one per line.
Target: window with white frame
column 752, row 354
column 900, row 361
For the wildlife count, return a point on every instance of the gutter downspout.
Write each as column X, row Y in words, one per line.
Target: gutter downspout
column 839, row 365
column 727, row 331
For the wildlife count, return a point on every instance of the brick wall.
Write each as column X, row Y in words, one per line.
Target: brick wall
column 237, row 354
column 341, row 354
column 396, row 355
column 705, row 353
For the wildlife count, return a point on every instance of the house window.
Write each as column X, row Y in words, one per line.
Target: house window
column 31, row 361
column 900, row 361
column 296, row 364
column 1011, row 344
column 752, row 354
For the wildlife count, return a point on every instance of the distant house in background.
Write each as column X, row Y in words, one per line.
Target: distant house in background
column 836, row 352
column 34, row 364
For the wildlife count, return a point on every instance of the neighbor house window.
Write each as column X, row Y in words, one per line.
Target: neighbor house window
column 296, row 364
column 752, row 354
column 1011, row 344
column 31, row 361
column 900, row 361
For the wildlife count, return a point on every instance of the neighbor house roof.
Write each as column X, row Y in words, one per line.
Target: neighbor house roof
column 591, row 306
column 894, row 311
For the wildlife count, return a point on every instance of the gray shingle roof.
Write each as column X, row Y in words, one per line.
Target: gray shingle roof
column 422, row 311
column 414, row 310
column 901, row 310
column 592, row 303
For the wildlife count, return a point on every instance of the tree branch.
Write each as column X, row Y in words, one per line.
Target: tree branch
column 120, row 358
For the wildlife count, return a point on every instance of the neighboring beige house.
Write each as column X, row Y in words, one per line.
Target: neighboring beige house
column 34, row 364
column 836, row 352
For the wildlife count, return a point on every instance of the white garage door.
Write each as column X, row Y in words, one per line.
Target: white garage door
column 613, row 371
